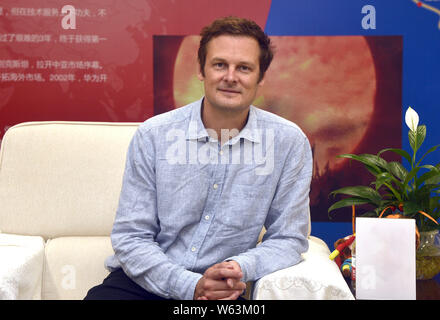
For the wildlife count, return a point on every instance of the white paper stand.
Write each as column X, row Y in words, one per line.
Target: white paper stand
column 385, row 259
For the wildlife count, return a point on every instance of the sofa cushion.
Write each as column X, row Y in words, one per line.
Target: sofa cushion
column 62, row 178
column 73, row 265
column 21, row 266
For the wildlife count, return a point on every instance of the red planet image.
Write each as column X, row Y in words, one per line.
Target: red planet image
column 342, row 91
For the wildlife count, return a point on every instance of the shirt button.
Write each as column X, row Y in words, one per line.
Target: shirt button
column 193, row 249
column 206, row 217
column 221, row 152
column 215, row 186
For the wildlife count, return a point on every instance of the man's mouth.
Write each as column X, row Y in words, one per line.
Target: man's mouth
column 226, row 90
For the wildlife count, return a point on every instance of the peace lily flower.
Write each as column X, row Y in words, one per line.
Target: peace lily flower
column 412, row 191
column 412, row 119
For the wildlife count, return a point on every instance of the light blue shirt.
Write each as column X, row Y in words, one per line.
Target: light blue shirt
column 188, row 203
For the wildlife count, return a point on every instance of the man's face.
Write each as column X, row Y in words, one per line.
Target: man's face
column 231, row 72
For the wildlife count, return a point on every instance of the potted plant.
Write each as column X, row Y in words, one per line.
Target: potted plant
column 402, row 193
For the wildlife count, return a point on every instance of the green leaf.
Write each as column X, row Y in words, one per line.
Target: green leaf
column 430, row 177
column 375, row 159
column 386, row 178
column 400, row 152
column 432, row 149
column 435, row 179
column 435, row 200
column 369, row 214
column 389, row 196
column 373, row 170
column 434, row 207
column 425, row 191
column 416, row 138
column 397, row 170
column 410, row 175
column 360, row 192
column 367, row 159
column 348, row 202
column 381, row 179
column 410, row 208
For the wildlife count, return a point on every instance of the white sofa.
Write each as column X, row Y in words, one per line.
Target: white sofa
column 59, row 190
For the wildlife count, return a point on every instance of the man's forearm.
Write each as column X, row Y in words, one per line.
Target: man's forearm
column 156, row 273
column 270, row 256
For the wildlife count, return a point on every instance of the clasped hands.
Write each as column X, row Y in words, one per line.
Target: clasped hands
column 222, row 281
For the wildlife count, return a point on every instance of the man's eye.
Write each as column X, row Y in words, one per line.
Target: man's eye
column 244, row 68
column 219, row 65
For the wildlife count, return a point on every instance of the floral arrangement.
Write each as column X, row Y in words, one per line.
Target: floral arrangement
column 412, row 193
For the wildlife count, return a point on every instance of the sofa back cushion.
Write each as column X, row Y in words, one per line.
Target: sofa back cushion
column 73, row 265
column 62, row 178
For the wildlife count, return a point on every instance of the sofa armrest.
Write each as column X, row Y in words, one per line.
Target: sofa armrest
column 315, row 278
column 21, row 266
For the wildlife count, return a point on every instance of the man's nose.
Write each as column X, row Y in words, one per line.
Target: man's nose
column 230, row 75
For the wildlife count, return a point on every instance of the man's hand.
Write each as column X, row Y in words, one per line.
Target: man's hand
column 220, row 282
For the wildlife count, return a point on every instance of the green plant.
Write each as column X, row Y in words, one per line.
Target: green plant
column 414, row 193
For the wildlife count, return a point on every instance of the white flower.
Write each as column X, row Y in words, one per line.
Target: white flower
column 411, row 119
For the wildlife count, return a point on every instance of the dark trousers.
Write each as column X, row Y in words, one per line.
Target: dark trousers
column 118, row 286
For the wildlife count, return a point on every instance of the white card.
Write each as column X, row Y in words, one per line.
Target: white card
column 385, row 259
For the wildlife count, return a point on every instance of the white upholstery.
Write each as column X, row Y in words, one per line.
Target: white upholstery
column 62, row 178
column 315, row 278
column 59, row 190
column 21, row 267
column 61, row 181
column 74, row 265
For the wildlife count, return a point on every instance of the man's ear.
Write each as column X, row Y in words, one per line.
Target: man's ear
column 261, row 82
column 200, row 74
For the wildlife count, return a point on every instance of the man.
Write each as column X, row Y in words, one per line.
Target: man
column 202, row 180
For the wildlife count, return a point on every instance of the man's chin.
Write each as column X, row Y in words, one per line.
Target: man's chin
column 232, row 107
column 229, row 103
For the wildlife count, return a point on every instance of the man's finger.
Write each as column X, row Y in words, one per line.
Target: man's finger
column 221, row 273
column 233, row 296
column 222, row 285
column 224, row 295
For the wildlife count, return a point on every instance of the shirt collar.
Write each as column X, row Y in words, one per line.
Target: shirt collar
column 196, row 128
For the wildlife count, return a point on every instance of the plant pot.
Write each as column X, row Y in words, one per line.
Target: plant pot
column 427, row 256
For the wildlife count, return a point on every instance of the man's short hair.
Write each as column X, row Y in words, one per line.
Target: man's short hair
column 236, row 27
